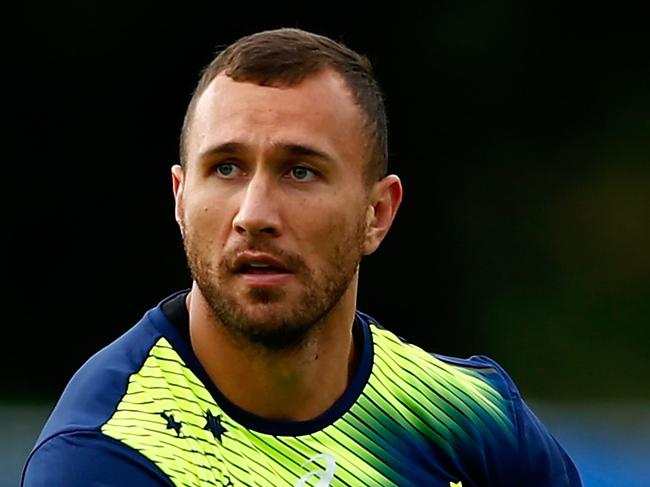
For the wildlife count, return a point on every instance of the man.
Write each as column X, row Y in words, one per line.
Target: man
column 264, row 373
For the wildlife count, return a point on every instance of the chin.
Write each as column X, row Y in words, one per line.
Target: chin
column 274, row 328
column 273, row 315
column 265, row 295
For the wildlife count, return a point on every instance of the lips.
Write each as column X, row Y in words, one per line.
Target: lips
column 258, row 268
column 259, row 263
column 262, row 271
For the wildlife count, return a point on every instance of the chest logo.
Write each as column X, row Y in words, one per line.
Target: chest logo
column 325, row 476
column 214, row 426
column 172, row 424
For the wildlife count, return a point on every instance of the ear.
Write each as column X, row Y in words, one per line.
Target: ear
column 385, row 198
column 178, row 178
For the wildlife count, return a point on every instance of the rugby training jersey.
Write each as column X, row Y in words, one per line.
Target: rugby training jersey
column 143, row 412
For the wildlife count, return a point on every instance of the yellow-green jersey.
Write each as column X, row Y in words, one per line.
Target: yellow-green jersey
column 143, row 412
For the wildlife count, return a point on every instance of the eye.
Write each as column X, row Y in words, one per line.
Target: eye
column 227, row 170
column 302, row 173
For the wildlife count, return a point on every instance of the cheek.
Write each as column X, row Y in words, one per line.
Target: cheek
column 332, row 233
column 205, row 222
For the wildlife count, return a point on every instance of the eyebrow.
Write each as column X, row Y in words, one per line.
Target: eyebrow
column 289, row 148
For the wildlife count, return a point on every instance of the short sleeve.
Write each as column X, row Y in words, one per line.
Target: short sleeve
column 544, row 462
column 89, row 459
column 538, row 459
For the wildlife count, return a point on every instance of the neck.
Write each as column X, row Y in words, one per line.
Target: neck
column 296, row 385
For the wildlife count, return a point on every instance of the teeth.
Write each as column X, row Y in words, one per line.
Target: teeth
column 257, row 264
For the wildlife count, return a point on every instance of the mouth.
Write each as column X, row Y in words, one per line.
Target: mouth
column 261, row 269
column 257, row 263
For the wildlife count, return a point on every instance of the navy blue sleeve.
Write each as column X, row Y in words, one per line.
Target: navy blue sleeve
column 544, row 463
column 538, row 460
column 89, row 459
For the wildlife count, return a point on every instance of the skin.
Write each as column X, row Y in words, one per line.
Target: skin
column 251, row 194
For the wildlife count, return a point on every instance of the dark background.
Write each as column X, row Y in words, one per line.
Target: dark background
column 520, row 131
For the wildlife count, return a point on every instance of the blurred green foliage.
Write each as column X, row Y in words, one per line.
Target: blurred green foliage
column 521, row 131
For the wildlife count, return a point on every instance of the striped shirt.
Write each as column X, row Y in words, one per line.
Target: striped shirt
column 143, row 412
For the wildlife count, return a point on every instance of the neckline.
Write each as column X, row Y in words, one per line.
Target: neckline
column 180, row 343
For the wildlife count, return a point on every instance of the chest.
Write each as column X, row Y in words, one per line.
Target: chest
column 211, row 449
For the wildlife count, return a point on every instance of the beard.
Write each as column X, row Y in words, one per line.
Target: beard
column 267, row 318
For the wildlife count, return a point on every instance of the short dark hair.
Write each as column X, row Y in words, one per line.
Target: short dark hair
column 287, row 56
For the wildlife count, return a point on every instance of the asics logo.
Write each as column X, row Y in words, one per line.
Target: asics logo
column 325, row 476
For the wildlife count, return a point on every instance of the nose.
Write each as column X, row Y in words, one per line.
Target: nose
column 258, row 210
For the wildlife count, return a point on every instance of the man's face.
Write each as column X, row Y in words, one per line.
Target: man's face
column 272, row 203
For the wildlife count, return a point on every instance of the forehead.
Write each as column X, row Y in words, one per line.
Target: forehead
column 320, row 111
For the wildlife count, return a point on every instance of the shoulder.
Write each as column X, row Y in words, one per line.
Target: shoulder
column 477, row 375
column 89, row 458
column 96, row 388
column 493, row 428
column 71, row 443
column 487, row 369
column 474, row 395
